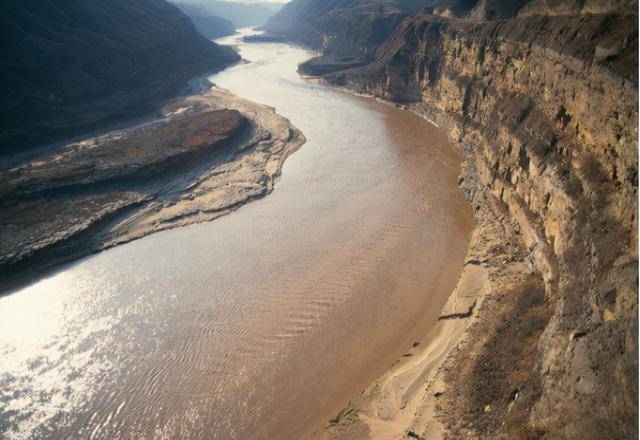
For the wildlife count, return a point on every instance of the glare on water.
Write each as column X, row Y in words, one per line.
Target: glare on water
column 262, row 323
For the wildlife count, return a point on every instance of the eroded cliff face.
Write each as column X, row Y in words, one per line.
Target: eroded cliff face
column 546, row 106
column 342, row 28
column 75, row 66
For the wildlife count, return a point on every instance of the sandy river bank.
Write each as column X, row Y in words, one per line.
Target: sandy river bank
column 420, row 396
column 265, row 322
column 413, row 398
column 208, row 155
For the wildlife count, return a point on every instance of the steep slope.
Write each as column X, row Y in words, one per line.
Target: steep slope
column 342, row 28
column 544, row 101
column 240, row 14
column 74, row 66
column 478, row 9
column 210, row 26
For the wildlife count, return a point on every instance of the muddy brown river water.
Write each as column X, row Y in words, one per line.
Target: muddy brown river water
column 261, row 324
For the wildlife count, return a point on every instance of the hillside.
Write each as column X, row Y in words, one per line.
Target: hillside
column 344, row 28
column 542, row 96
column 240, row 14
column 75, row 66
column 210, row 26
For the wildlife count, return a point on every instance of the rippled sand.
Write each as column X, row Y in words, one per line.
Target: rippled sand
column 262, row 323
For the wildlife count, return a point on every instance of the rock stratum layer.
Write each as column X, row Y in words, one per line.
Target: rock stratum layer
column 345, row 28
column 544, row 102
column 76, row 66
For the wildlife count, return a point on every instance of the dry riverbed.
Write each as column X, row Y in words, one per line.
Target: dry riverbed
column 208, row 155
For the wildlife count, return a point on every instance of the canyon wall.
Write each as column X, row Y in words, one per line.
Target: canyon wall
column 545, row 103
column 239, row 14
column 74, row 66
column 343, row 28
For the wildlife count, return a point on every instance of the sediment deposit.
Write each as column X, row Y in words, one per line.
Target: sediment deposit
column 544, row 103
column 208, row 155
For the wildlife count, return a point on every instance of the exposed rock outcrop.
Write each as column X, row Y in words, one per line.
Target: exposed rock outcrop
column 342, row 28
column 545, row 101
column 76, row 66
column 208, row 155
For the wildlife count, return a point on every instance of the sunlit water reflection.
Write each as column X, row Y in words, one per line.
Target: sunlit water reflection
column 261, row 323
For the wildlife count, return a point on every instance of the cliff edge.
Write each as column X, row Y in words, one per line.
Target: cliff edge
column 542, row 95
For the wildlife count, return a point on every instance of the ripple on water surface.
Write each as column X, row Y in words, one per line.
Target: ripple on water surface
column 261, row 323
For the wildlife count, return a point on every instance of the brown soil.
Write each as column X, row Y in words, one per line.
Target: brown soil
column 490, row 386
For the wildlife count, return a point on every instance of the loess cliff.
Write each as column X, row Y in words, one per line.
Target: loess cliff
column 350, row 29
column 543, row 98
column 76, row 66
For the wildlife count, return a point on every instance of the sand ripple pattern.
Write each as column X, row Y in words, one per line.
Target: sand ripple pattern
column 263, row 322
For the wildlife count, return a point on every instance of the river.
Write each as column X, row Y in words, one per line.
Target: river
column 263, row 323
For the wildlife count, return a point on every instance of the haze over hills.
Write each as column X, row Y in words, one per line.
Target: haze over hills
column 240, row 14
column 74, row 66
column 346, row 28
column 210, row 26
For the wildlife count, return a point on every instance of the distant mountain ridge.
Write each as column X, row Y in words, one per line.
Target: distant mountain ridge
column 79, row 65
column 345, row 28
column 240, row 14
column 210, row 26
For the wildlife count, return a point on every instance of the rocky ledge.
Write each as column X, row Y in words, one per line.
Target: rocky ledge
column 208, row 155
column 544, row 103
